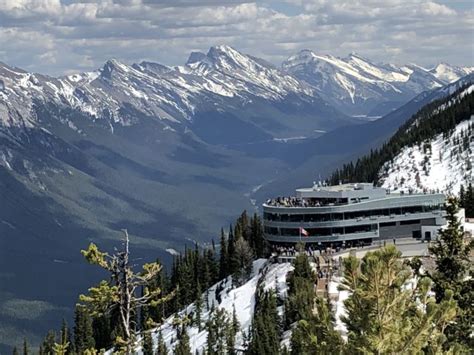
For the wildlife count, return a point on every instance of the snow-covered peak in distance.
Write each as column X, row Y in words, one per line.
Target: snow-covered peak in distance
column 246, row 73
column 449, row 73
column 359, row 86
column 220, row 79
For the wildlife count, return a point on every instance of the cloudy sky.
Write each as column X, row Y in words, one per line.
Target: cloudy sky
column 64, row 36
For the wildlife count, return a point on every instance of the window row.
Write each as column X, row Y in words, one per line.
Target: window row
column 325, row 217
column 320, row 232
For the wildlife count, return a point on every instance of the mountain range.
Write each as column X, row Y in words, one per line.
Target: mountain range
column 357, row 86
column 172, row 154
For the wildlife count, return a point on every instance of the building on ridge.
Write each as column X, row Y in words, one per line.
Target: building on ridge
column 350, row 215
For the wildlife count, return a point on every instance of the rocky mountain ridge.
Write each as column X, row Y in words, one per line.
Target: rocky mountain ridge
column 359, row 86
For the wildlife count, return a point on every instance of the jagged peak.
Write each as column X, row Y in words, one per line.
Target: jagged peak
column 302, row 54
column 443, row 64
column 11, row 69
column 113, row 65
column 354, row 54
column 153, row 67
column 306, row 52
column 222, row 48
column 414, row 66
column 195, row 57
column 222, row 51
column 219, row 57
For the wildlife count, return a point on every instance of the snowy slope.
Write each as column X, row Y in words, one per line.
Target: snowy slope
column 361, row 87
column 268, row 275
column 444, row 163
column 449, row 73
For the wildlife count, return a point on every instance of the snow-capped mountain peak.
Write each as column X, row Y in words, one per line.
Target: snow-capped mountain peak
column 450, row 73
column 156, row 90
column 353, row 84
column 239, row 73
column 360, row 86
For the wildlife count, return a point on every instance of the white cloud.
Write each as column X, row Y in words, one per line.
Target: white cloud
column 57, row 37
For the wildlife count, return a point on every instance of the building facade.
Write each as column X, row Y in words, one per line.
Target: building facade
column 351, row 214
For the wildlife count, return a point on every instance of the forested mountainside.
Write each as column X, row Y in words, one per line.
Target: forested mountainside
column 431, row 151
column 442, row 163
column 238, row 302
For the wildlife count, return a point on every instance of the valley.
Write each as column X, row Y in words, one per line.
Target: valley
column 172, row 154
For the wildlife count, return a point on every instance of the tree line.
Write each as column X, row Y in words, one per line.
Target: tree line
column 424, row 125
column 113, row 313
column 466, row 200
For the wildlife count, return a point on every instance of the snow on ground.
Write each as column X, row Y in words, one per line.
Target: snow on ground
column 337, row 300
column 268, row 275
column 469, row 227
column 440, row 165
column 172, row 251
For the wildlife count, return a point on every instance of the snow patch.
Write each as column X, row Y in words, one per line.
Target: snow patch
column 440, row 164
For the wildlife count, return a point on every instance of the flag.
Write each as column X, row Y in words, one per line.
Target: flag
column 304, row 232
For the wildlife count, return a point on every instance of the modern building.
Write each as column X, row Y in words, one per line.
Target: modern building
column 351, row 214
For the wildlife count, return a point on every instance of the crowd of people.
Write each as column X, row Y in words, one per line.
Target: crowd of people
column 290, row 251
column 318, row 250
column 296, row 202
column 281, row 250
column 325, row 264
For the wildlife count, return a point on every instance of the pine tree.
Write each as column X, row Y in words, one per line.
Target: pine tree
column 233, row 328
column 102, row 328
column 454, row 272
column 235, row 321
column 48, row 343
column 265, row 325
column 211, row 335
column 182, row 348
column 147, row 343
column 258, row 241
column 198, row 306
column 120, row 294
column 26, row 348
column 15, row 351
column 383, row 317
column 241, row 261
column 65, row 337
column 161, row 347
column 230, row 251
column 451, row 254
column 469, row 201
column 317, row 335
column 212, row 266
column 301, row 296
column 462, row 197
column 60, row 348
column 223, row 260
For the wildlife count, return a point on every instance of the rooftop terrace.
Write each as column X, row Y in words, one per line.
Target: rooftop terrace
column 323, row 195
